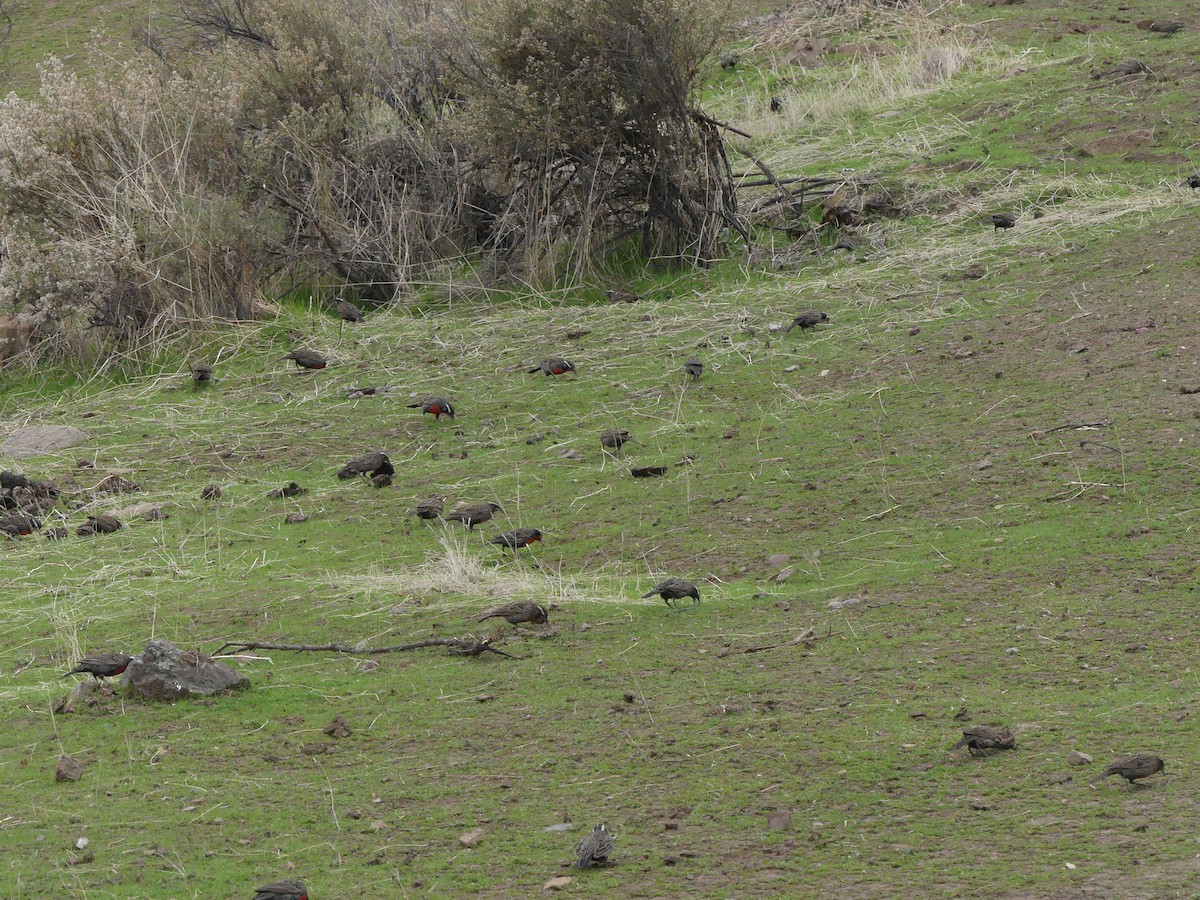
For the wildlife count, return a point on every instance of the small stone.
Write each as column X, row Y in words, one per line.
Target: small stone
column 791, row 369
column 557, row 883
column 779, row 820
column 983, row 464
column 785, row 574
column 570, row 453
column 82, row 843
column 211, row 492
column 295, row 518
column 978, row 803
column 1012, row 650
column 963, row 353
column 535, row 439
column 68, row 769
column 338, row 728
column 1078, row 758
column 775, row 560
column 377, row 826
column 671, row 825
column 471, row 838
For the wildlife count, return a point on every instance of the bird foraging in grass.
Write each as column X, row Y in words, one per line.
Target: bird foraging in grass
column 1003, row 220
column 806, row 320
column 595, row 848
column 435, row 406
column 554, row 365
column 1131, row 768
column 201, row 373
column 614, row 438
column 348, row 312
column 373, row 464
column 517, row 538
column 694, row 369
column 472, row 514
column 981, row 738
column 518, row 613
column 99, row 524
column 673, row 589
column 307, row 359
column 430, row 508
column 18, row 524
column 622, row 297
column 103, row 665
column 289, row 889
column 1193, row 180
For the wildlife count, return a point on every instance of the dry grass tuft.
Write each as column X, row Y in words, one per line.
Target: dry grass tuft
column 468, row 573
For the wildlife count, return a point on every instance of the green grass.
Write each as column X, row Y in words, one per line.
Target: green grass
column 1008, row 572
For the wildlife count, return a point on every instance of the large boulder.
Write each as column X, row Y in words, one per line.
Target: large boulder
column 34, row 440
column 164, row 672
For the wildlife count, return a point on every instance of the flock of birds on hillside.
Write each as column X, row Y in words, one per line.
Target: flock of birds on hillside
column 596, row 846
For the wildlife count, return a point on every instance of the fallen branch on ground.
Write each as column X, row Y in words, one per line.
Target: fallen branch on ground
column 458, row 646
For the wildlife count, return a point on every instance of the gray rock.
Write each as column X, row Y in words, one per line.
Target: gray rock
column 164, row 672
column 68, row 769
column 34, row 440
column 1078, row 758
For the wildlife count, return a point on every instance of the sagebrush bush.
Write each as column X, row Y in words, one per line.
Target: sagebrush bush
column 268, row 143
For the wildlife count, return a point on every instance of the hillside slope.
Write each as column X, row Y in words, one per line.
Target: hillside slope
column 966, row 498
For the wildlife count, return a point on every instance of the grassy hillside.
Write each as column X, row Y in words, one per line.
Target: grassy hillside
column 986, row 450
column 65, row 28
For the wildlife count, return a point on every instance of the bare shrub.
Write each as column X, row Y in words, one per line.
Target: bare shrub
column 585, row 111
column 266, row 143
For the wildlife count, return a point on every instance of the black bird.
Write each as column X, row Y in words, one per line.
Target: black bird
column 614, row 438
column 674, row 589
column 776, row 105
column 1165, row 26
column 1131, row 768
column 1193, row 180
column 307, row 359
column 982, row 738
column 729, row 61
column 430, row 508
column 472, row 514
column 102, row 523
column 1003, row 220
column 103, row 665
column 373, row 464
column 17, row 524
column 554, row 365
column 435, row 406
column 518, row 613
column 808, row 319
column 202, row 372
column 348, row 312
column 622, row 297
column 290, row 889
column 694, row 368
column 595, row 848
column 517, row 538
